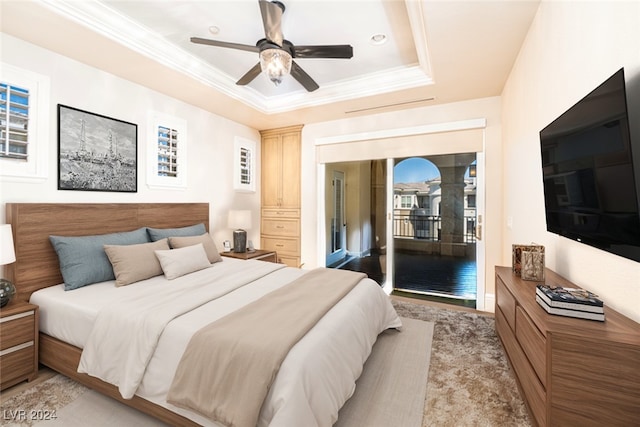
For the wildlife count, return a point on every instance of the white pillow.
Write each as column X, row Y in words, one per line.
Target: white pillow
column 178, row 262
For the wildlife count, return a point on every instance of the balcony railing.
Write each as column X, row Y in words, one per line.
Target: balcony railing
column 427, row 227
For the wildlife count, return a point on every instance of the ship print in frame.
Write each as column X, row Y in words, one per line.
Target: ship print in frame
column 95, row 152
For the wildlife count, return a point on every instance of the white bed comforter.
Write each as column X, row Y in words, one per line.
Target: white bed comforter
column 315, row 379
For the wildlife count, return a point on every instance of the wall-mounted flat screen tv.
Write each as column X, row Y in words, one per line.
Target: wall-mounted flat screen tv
column 589, row 179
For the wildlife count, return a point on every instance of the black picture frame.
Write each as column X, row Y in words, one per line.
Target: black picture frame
column 96, row 152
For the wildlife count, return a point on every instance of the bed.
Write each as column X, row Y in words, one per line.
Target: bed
column 315, row 378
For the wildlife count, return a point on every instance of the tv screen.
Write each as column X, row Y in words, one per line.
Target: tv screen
column 588, row 173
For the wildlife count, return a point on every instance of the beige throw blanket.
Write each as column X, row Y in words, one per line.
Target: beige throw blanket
column 228, row 367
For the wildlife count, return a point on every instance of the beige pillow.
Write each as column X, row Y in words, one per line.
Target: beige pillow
column 178, row 262
column 132, row 263
column 177, row 242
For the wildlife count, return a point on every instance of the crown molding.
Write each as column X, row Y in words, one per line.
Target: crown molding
column 115, row 26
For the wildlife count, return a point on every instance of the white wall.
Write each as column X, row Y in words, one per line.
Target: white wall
column 210, row 140
column 488, row 108
column 571, row 48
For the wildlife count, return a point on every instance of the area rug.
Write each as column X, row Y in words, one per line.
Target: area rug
column 469, row 382
column 392, row 388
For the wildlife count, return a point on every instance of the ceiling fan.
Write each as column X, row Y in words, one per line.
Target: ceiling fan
column 277, row 54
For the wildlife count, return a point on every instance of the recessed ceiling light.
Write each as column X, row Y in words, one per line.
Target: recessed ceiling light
column 214, row 29
column 378, row 39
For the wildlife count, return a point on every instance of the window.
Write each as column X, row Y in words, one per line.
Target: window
column 471, row 201
column 24, row 123
column 406, row 202
column 244, row 165
column 167, row 151
column 14, row 121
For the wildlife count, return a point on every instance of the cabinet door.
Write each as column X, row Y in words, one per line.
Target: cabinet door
column 290, row 170
column 271, row 172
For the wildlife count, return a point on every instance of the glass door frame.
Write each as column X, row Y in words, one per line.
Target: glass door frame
column 393, row 136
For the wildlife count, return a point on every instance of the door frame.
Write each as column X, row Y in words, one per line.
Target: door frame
column 392, row 134
column 336, row 256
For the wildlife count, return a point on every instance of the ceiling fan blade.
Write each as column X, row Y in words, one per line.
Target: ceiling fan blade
column 239, row 46
column 272, row 20
column 250, row 75
column 301, row 76
column 342, row 51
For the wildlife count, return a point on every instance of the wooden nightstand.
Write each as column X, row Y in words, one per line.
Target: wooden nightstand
column 18, row 343
column 260, row 254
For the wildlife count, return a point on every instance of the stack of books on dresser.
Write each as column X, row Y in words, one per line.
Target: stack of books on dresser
column 570, row 302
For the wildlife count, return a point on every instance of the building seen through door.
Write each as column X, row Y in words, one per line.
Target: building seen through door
column 433, row 222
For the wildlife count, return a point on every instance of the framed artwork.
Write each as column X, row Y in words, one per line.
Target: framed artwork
column 95, row 152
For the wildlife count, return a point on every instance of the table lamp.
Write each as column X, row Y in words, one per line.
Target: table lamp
column 240, row 221
column 7, row 256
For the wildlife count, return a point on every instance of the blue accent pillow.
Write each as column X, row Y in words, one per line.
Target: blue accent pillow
column 83, row 260
column 156, row 234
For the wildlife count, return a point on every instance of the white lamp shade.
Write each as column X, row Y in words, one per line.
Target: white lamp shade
column 7, row 252
column 240, row 220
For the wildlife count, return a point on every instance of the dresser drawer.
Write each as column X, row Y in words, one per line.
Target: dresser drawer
column 17, row 329
column 533, row 343
column 529, row 384
column 506, row 302
column 281, row 213
column 283, row 247
column 281, row 227
column 290, row 261
column 18, row 364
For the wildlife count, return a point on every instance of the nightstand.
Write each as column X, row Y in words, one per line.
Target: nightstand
column 259, row 254
column 18, row 343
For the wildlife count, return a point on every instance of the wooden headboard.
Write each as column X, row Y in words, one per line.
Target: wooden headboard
column 37, row 266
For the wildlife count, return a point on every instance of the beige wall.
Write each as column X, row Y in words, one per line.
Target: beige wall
column 357, row 205
column 210, row 140
column 571, row 48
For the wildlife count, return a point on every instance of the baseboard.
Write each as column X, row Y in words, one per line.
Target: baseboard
column 490, row 302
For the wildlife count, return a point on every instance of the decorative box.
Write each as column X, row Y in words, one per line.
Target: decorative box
column 529, row 256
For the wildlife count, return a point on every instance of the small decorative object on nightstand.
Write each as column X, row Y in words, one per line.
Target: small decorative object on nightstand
column 18, row 343
column 240, row 221
column 7, row 256
column 259, row 254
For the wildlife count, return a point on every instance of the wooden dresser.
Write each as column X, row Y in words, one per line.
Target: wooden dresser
column 280, row 225
column 18, row 343
column 571, row 372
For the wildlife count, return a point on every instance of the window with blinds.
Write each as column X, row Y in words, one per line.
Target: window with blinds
column 14, row 121
column 245, row 166
column 168, row 140
column 167, row 151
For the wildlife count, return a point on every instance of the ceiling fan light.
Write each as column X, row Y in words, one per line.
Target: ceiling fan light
column 275, row 63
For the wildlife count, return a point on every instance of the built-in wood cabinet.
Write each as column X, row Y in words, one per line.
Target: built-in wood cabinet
column 280, row 177
column 571, row 372
column 18, row 343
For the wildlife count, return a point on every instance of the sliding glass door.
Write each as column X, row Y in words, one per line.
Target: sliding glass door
column 434, row 226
